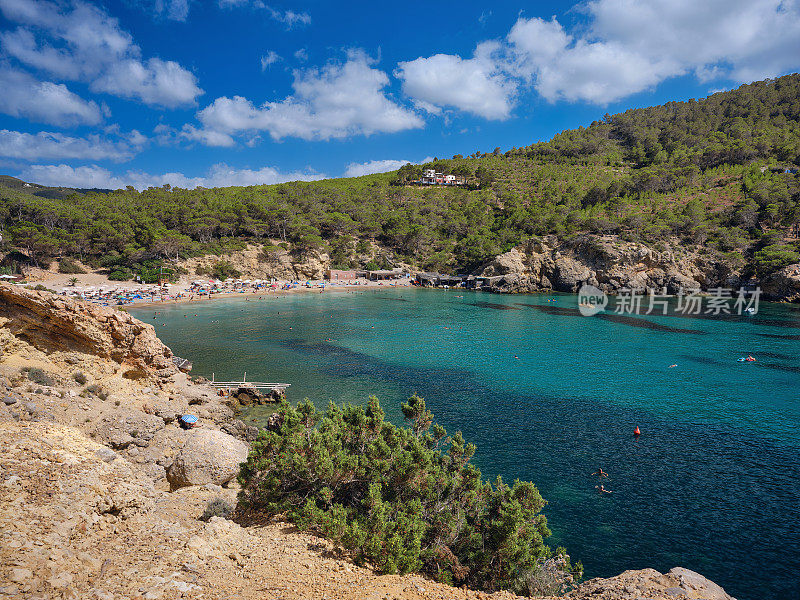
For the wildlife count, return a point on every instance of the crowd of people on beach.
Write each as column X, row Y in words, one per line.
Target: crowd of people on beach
column 120, row 295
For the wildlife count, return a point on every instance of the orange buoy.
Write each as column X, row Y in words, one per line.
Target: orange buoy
column 636, row 431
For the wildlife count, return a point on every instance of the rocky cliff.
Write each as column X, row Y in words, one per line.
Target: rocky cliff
column 612, row 264
column 54, row 324
column 252, row 264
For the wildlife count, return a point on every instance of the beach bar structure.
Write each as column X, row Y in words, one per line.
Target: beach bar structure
column 383, row 275
column 439, row 280
column 334, row 275
column 477, row 282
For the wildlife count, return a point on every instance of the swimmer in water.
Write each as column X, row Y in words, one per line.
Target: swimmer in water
column 672, row 366
column 601, row 490
column 600, row 473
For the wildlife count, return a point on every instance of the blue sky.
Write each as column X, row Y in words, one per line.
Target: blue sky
column 226, row 92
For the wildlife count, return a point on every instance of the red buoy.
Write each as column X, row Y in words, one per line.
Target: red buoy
column 636, row 431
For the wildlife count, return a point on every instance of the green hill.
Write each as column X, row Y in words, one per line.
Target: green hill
column 718, row 172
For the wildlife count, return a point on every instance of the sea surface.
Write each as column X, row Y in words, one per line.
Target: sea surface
column 548, row 395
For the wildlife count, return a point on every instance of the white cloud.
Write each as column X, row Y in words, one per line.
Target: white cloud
column 79, row 41
column 164, row 83
column 632, row 45
column 44, row 101
column 26, row 146
column 338, row 101
column 167, row 135
column 289, row 18
column 219, row 175
column 301, row 55
column 476, row 85
column 750, row 39
column 625, row 47
column 269, row 59
column 206, row 136
column 380, row 166
column 373, row 166
column 562, row 67
column 175, row 10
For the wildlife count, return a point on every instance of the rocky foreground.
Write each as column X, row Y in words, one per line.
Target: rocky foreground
column 101, row 491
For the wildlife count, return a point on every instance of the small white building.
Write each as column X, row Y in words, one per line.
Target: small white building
column 433, row 177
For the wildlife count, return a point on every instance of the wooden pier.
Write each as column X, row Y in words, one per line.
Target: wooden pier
column 259, row 386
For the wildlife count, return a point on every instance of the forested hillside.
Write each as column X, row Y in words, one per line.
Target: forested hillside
column 719, row 172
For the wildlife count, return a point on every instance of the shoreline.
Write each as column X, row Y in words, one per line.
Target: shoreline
column 268, row 292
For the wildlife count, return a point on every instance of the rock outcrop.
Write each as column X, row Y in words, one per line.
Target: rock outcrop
column 207, row 456
column 649, row 583
column 53, row 323
column 107, row 374
column 606, row 262
column 251, row 263
column 783, row 284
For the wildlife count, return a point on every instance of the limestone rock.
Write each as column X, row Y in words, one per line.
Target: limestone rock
column 240, row 430
column 611, row 264
column 512, row 261
column 283, row 264
column 54, row 323
column 124, row 427
column 106, row 454
column 697, row 585
column 569, row 274
column 207, row 457
column 783, row 284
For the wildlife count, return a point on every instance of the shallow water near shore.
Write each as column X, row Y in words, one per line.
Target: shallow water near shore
column 712, row 484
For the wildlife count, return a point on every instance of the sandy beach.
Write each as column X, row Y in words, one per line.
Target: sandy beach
column 97, row 287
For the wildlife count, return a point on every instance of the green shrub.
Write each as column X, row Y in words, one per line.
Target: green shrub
column 221, row 270
column 70, row 267
column 774, row 257
column 120, row 275
column 551, row 577
column 36, row 375
column 402, row 499
column 79, row 377
column 218, row 507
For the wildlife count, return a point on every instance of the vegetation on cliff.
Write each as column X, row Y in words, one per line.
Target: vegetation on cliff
column 402, row 499
column 715, row 173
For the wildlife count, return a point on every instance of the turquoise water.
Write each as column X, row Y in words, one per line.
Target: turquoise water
column 712, row 484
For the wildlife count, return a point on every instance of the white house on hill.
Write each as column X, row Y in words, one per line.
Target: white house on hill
column 433, row 177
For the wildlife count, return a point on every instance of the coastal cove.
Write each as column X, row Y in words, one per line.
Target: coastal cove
column 549, row 396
